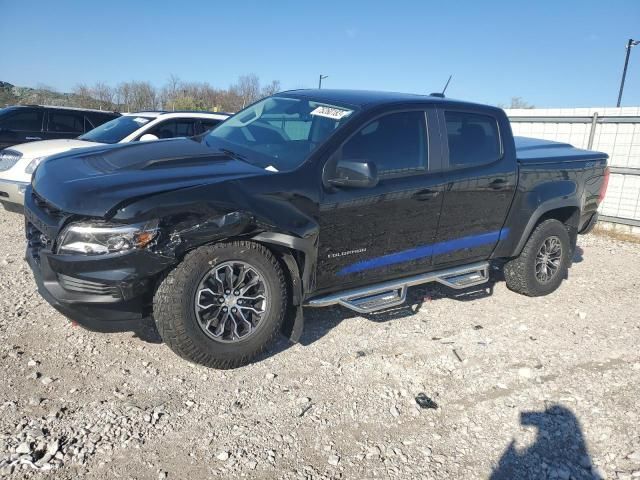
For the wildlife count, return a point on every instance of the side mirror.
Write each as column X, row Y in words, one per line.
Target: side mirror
column 148, row 137
column 355, row 173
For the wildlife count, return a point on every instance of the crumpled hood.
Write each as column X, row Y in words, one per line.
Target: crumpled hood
column 44, row 148
column 95, row 181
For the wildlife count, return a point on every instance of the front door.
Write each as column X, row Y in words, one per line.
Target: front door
column 373, row 234
column 481, row 181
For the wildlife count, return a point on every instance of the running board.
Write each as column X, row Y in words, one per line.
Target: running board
column 394, row 292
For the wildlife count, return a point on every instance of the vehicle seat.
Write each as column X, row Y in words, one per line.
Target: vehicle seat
column 165, row 133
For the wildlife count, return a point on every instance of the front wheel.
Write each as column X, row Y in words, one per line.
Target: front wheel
column 223, row 305
column 543, row 263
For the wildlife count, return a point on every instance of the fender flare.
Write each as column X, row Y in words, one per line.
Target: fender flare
column 301, row 275
column 537, row 214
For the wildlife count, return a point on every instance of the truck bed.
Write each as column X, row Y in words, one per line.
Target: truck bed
column 535, row 150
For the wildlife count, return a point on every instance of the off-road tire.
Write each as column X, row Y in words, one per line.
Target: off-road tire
column 520, row 273
column 175, row 316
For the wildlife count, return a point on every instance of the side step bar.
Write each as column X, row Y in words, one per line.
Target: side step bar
column 394, row 292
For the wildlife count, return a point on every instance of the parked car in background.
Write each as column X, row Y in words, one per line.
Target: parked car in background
column 29, row 123
column 18, row 162
column 311, row 197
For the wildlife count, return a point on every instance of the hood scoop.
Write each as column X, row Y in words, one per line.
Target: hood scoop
column 191, row 161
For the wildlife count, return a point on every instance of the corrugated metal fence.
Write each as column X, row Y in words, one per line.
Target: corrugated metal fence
column 615, row 131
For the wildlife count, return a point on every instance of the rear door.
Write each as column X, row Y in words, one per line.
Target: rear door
column 65, row 124
column 372, row 234
column 21, row 125
column 480, row 185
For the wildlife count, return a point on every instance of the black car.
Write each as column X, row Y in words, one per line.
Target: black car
column 306, row 198
column 22, row 124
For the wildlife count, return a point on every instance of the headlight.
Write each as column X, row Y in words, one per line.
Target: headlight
column 101, row 238
column 33, row 164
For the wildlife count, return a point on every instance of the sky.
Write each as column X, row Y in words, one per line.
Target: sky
column 552, row 53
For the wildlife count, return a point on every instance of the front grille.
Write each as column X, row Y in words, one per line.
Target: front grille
column 8, row 158
column 45, row 206
column 84, row 286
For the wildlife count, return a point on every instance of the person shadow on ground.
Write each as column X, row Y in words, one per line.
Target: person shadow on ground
column 559, row 450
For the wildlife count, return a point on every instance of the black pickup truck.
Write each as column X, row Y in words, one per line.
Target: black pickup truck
column 305, row 198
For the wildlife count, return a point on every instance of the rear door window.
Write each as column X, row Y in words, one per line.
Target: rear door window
column 23, row 121
column 66, row 122
column 473, row 139
column 396, row 143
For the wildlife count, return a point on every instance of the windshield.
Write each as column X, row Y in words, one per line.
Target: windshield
column 278, row 133
column 115, row 130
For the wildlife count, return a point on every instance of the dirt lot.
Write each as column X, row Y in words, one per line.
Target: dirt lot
column 525, row 388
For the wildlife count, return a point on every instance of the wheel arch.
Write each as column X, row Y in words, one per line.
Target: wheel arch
column 566, row 211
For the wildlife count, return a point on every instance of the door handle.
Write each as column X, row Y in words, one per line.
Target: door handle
column 33, row 138
column 426, row 194
column 498, row 184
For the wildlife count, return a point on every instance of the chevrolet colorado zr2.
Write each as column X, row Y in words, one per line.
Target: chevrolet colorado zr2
column 305, row 198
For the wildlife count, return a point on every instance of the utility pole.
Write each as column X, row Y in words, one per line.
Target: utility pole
column 630, row 43
column 322, row 77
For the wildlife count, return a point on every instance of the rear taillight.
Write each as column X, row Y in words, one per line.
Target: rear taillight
column 605, row 184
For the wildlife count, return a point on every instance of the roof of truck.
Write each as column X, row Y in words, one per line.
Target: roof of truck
column 370, row 98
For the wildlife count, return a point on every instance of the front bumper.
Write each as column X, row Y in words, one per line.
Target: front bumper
column 102, row 292
column 12, row 191
column 95, row 306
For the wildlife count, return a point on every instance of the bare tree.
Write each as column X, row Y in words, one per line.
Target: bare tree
column 271, row 89
column 143, row 96
column 83, row 96
column 170, row 92
column 518, row 102
column 123, row 97
column 104, row 95
column 248, row 88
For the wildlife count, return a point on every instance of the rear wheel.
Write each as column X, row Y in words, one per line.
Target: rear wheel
column 543, row 263
column 223, row 305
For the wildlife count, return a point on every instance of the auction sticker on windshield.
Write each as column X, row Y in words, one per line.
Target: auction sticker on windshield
column 331, row 112
column 141, row 120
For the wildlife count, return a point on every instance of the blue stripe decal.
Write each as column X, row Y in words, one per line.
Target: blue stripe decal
column 426, row 251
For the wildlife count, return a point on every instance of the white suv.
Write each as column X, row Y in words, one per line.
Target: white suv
column 18, row 162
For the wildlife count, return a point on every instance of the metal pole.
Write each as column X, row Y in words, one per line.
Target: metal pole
column 592, row 132
column 630, row 44
column 320, row 80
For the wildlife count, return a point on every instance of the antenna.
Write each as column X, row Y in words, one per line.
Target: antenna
column 441, row 94
column 446, row 85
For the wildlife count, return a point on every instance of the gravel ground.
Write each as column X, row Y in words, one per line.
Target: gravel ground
column 512, row 387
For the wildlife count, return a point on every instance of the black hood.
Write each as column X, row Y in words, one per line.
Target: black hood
column 94, row 181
